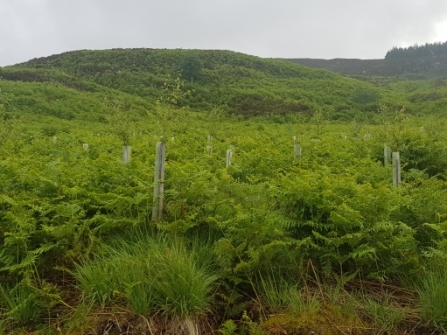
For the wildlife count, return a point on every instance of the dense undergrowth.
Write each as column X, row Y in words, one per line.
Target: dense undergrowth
column 273, row 244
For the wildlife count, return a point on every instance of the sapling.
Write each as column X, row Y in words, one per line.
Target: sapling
column 121, row 127
column 159, row 175
column 318, row 120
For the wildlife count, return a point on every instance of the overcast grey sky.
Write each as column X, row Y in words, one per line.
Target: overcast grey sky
column 282, row 28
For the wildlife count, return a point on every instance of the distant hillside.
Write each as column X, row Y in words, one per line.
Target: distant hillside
column 230, row 81
column 412, row 68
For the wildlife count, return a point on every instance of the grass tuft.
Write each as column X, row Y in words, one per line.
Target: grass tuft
column 19, row 303
column 183, row 286
column 151, row 274
column 274, row 293
column 385, row 317
column 433, row 297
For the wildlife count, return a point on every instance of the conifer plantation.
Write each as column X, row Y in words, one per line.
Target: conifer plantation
column 147, row 191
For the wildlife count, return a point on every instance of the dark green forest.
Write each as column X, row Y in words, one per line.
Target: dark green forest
column 280, row 214
column 419, row 51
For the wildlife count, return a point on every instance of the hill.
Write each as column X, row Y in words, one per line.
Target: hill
column 229, row 81
column 411, row 68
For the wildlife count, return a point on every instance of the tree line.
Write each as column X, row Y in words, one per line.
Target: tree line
column 418, row 51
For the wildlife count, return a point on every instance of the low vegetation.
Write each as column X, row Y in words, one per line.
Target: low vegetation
column 275, row 243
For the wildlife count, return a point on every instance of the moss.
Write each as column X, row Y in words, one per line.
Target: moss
column 331, row 320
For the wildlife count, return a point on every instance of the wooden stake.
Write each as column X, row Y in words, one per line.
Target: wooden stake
column 159, row 175
column 85, row 146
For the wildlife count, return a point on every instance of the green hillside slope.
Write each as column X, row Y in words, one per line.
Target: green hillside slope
column 230, row 81
column 54, row 93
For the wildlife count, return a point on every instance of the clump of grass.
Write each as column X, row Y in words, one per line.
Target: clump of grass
column 152, row 275
column 273, row 293
column 19, row 303
column 384, row 316
column 349, row 306
column 346, row 304
column 25, row 303
column 433, row 297
column 183, row 284
column 125, row 269
column 95, row 280
column 303, row 303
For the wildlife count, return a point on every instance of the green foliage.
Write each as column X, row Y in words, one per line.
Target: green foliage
column 306, row 303
column 19, row 303
column 250, row 327
column 365, row 96
column 238, row 83
column 248, row 232
column 275, row 293
column 119, row 121
column 385, row 317
column 152, row 274
column 184, row 287
column 49, row 131
column 228, row 328
column 191, row 68
column 433, row 297
column 25, row 303
column 333, row 214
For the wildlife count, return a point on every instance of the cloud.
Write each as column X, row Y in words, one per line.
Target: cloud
column 282, row 28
